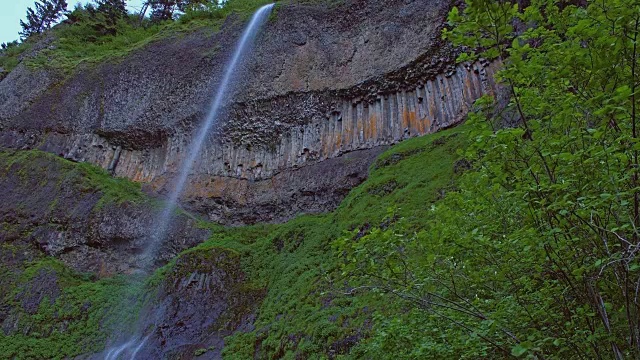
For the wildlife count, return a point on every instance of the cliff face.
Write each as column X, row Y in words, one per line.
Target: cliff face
column 61, row 209
column 321, row 83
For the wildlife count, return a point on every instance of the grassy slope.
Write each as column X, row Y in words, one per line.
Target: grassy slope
column 305, row 311
column 72, row 45
column 81, row 175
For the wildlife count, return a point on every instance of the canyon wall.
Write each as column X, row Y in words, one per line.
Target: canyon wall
column 325, row 90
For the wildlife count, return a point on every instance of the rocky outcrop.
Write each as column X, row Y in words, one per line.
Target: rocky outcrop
column 204, row 298
column 322, row 82
column 51, row 205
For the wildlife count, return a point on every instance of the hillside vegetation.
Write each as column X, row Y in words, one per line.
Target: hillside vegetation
column 81, row 39
column 305, row 310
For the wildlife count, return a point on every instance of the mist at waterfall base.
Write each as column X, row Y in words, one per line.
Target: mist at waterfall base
column 130, row 348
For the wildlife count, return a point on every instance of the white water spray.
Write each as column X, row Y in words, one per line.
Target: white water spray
column 115, row 351
column 132, row 347
column 137, row 349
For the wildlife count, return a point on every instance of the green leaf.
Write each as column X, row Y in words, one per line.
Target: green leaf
column 519, row 350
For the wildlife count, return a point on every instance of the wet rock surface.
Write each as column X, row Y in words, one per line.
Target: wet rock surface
column 305, row 190
column 169, row 82
column 204, row 298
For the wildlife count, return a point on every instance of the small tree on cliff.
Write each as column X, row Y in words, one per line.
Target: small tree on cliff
column 46, row 13
column 107, row 15
column 113, row 10
column 162, row 9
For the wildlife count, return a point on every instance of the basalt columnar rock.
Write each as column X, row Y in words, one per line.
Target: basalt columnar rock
column 325, row 90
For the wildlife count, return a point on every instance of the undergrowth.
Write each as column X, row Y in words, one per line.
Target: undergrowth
column 308, row 311
column 76, row 322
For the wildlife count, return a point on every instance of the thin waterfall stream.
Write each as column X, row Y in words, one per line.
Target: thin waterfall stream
column 130, row 348
column 225, row 86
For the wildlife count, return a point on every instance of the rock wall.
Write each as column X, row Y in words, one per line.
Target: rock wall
column 205, row 297
column 50, row 207
column 348, row 125
column 321, row 83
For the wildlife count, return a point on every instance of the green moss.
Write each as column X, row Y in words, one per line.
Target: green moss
column 77, row 322
column 419, row 167
column 87, row 177
column 10, row 57
column 114, row 190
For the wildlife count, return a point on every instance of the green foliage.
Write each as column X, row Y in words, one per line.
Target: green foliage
column 92, row 41
column 534, row 253
column 85, row 176
column 485, row 26
column 216, row 13
column 76, row 322
column 114, row 190
column 107, row 15
column 305, row 312
column 11, row 53
column 46, row 13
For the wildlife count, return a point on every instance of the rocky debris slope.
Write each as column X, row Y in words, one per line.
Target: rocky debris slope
column 321, row 82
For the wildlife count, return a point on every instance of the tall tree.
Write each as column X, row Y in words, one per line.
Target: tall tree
column 108, row 13
column 46, row 13
column 113, row 9
column 162, row 9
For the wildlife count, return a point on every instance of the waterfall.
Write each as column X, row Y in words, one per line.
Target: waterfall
column 130, row 348
column 225, row 86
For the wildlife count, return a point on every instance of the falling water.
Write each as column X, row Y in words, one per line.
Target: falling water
column 224, row 88
column 133, row 346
